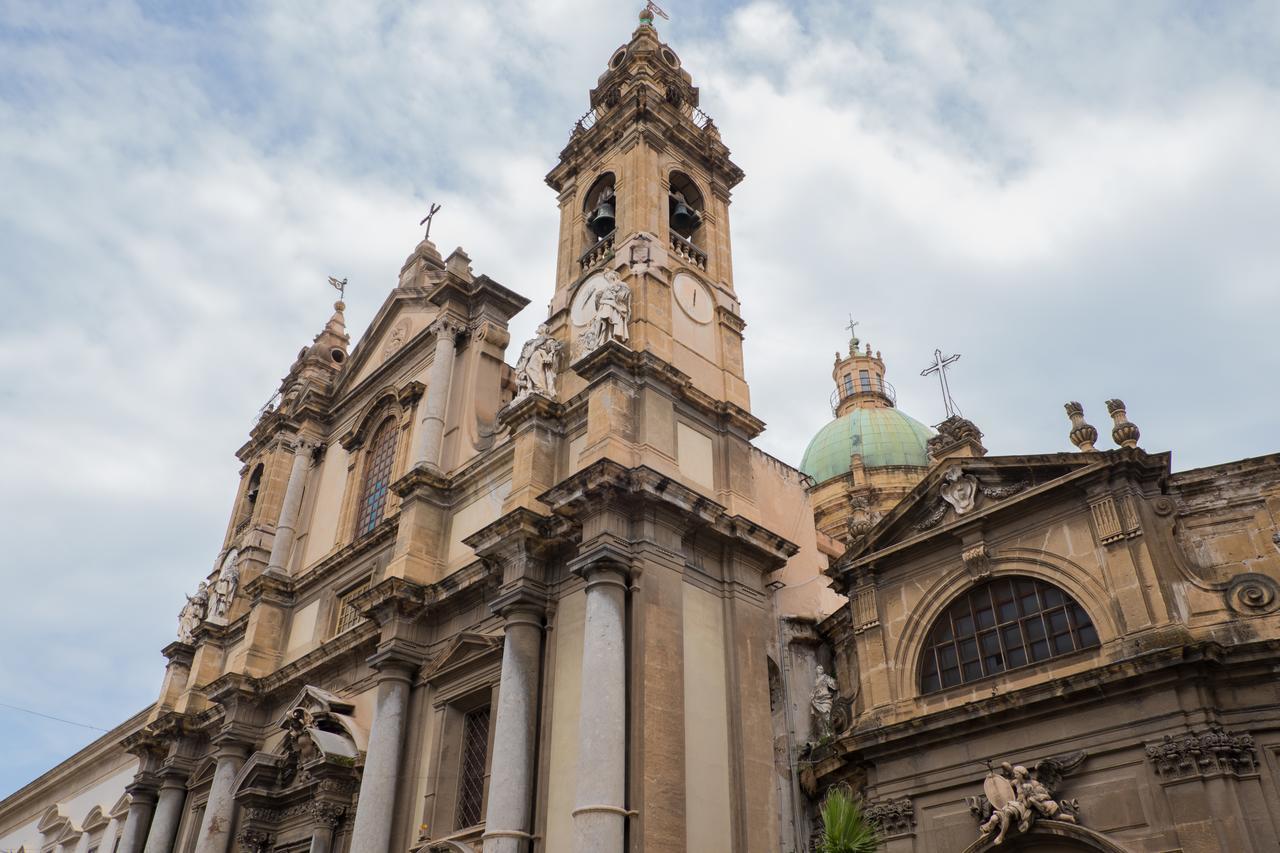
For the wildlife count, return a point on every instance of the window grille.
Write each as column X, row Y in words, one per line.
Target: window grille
column 864, row 379
column 475, row 750
column 1004, row 624
column 348, row 615
column 848, row 385
column 377, row 478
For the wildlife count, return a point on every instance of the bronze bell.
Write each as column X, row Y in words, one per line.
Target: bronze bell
column 684, row 218
column 601, row 221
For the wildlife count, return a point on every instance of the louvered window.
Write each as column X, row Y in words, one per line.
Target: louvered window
column 475, row 751
column 1007, row 623
column 377, row 478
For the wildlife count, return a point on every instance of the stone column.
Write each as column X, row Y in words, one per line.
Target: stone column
column 507, row 819
column 374, row 810
column 142, row 804
column 168, row 814
column 287, row 526
column 326, row 817
column 429, row 436
column 219, row 810
column 600, row 817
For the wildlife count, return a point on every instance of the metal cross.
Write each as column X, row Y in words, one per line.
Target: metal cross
column 939, row 366
column 426, row 220
column 850, row 327
column 340, row 286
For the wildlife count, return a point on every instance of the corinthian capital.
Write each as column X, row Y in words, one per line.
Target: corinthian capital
column 446, row 326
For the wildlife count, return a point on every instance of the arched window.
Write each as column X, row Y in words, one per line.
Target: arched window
column 684, row 206
column 600, row 208
column 377, row 477
column 1006, row 623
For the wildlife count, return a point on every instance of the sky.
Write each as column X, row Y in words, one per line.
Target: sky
column 1080, row 197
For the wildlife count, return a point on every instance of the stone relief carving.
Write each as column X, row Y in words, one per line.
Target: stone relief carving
column 610, row 314
column 254, row 841
column 399, row 334
column 224, row 588
column 822, row 700
column 536, row 368
column 1014, row 798
column 1213, row 751
column 193, row 613
column 893, row 817
column 959, row 492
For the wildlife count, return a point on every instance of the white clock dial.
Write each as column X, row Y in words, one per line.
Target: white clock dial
column 581, row 311
column 694, row 298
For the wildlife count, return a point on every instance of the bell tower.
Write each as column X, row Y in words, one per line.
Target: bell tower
column 644, row 189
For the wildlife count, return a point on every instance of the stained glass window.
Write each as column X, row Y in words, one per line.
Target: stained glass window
column 377, row 478
column 475, row 750
column 1003, row 624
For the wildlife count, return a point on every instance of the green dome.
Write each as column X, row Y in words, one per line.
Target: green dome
column 884, row 437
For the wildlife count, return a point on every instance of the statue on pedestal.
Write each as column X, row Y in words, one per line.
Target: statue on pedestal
column 536, row 368
column 193, row 613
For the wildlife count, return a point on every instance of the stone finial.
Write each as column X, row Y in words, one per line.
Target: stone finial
column 1083, row 434
column 1125, row 433
column 459, row 263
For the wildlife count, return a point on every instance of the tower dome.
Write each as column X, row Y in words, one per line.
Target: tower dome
column 883, row 436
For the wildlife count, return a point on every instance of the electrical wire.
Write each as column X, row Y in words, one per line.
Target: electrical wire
column 51, row 717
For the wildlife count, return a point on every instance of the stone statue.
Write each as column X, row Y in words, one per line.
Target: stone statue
column 193, row 613
column 1014, row 798
column 612, row 311
column 959, row 489
column 536, row 368
column 822, row 701
column 224, row 588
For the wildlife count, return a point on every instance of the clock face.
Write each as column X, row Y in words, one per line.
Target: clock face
column 694, row 298
column 581, row 311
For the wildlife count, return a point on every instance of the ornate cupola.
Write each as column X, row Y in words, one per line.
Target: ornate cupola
column 644, row 189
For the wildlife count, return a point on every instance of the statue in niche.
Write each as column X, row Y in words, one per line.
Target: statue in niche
column 611, row 312
column 224, row 588
column 959, row 489
column 193, row 613
column 822, row 700
column 536, row 368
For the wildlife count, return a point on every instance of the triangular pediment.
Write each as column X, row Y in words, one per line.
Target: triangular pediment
column 958, row 490
column 467, row 649
column 404, row 315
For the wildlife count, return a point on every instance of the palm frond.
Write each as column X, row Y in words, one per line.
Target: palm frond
column 845, row 827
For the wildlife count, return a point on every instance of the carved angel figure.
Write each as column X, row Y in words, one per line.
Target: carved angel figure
column 224, row 588
column 193, row 613
column 536, row 368
column 1016, row 797
column 612, row 307
column 822, row 700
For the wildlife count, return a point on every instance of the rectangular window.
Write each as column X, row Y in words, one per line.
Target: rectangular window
column 864, row 379
column 475, row 752
column 348, row 615
column 848, row 385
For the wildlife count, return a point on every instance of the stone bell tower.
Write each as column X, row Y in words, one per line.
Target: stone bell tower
column 644, row 188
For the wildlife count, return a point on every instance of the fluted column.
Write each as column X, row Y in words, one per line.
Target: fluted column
column 507, row 819
column 219, row 810
column 286, row 527
column 168, row 813
column 142, row 804
column 374, row 809
column 430, row 433
column 600, row 816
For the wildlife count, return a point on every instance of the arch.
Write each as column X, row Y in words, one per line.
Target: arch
column 1004, row 623
column 1050, row 836
column 683, row 188
column 602, row 192
column 1070, row 577
column 385, row 401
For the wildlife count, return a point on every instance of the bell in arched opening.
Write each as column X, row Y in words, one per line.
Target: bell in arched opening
column 601, row 220
column 684, row 219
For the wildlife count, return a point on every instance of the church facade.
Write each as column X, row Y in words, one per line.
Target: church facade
column 566, row 604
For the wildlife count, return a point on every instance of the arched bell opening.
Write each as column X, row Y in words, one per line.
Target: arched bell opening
column 600, row 209
column 684, row 207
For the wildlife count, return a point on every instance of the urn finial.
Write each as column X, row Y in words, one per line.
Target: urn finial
column 1125, row 433
column 1083, row 434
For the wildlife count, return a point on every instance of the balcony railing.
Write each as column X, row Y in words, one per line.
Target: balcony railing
column 599, row 250
column 877, row 388
column 687, row 252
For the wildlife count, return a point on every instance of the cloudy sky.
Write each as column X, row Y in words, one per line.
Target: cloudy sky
column 1080, row 197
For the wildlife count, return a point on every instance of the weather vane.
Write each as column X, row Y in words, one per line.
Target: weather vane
column 653, row 8
column 853, row 335
column 939, row 366
column 340, row 286
column 426, row 220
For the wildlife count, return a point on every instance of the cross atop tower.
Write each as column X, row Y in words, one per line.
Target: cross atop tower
column 853, row 335
column 939, row 366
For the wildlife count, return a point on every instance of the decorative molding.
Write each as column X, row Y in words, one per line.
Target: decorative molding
column 1209, row 753
column 1252, row 594
column 863, row 606
column 893, row 817
column 977, row 561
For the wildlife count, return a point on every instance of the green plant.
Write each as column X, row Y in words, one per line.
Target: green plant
column 845, row 827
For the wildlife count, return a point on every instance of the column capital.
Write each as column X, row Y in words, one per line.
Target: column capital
column 397, row 660
column 144, row 788
column 526, row 603
column 446, row 327
column 179, row 653
column 326, row 814
column 605, row 562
